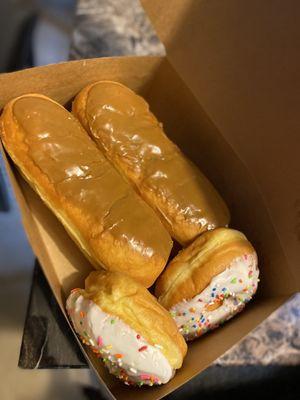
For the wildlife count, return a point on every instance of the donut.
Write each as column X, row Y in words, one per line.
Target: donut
column 127, row 328
column 209, row 282
column 113, row 227
column 123, row 127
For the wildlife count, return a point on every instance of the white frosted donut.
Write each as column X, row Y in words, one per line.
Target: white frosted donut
column 223, row 298
column 125, row 353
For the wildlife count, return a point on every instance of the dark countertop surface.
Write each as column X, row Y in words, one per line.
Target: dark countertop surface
column 119, row 27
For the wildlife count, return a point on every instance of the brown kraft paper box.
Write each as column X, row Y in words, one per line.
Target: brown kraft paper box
column 228, row 93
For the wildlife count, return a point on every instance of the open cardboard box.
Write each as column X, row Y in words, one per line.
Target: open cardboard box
column 228, row 94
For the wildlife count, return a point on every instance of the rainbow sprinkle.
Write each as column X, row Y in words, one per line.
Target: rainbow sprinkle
column 143, row 348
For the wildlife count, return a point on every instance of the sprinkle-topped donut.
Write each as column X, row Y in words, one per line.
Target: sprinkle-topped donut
column 224, row 297
column 126, row 352
column 209, row 282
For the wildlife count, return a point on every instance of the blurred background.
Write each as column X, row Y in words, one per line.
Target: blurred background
column 39, row 32
column 34, row 32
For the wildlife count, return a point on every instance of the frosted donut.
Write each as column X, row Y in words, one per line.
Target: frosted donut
column 125, row 325
column 209, row 282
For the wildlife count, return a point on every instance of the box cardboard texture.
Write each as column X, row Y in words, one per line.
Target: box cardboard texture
column 228, row 94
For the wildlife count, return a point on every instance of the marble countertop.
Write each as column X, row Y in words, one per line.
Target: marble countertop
column 120, row 27
column 113, row 28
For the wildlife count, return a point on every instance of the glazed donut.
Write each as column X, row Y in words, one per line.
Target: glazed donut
column 209, row 282
column 132, row 138
column 110, row 223
column 133, row 334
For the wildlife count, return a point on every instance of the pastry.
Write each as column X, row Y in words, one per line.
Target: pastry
column 133, row 140
column 111, row 224
column 125, row 325
column 209, row 282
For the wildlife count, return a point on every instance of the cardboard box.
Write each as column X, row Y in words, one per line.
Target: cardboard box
column 228, row 93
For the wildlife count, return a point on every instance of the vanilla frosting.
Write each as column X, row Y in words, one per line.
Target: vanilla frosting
column 125, row 352
column 224, row 297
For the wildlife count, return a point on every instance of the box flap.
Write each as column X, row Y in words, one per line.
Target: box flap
column 75, row 75
column 165, row 19
column 241, row 60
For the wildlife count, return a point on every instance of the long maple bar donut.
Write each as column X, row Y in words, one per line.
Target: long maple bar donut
column 132, row 138
column 111, row 224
